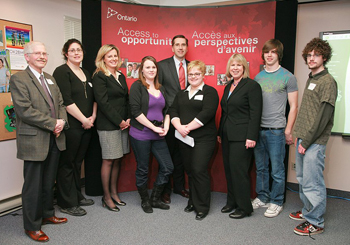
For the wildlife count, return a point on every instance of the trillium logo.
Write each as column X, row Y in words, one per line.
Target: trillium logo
column 112, row 12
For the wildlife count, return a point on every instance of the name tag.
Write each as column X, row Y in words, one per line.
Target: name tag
column 49, row 81
column 198, row 97
column 311, row 86
column 90, row 84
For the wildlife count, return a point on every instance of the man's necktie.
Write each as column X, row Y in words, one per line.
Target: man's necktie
column 182, row 78
column 49, row 98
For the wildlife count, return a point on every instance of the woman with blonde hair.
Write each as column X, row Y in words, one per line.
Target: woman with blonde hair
column 241, row 106
column 193, row 116
column 113, row 119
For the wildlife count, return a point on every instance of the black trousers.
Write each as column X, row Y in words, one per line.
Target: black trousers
column 237, row 161
column 37, row 191
column 179, row 170
column 69, row 168
column 196, row 162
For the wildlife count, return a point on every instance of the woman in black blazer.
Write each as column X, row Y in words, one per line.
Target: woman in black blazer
column 193, row 116
column 241, row 106
column 113, row 119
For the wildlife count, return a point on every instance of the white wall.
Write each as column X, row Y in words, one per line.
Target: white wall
column 312, row 19
column 46, row 17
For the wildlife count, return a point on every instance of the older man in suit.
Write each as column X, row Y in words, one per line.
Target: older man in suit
column 41, row 117
column 172, row 75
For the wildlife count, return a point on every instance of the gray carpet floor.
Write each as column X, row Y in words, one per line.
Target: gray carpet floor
column 132, row 226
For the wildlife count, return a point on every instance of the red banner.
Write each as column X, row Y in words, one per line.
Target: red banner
column 214, row 34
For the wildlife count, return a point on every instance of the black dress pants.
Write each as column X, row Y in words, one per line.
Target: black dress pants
column 69, row 168
column 196, row 162
column 237, row 161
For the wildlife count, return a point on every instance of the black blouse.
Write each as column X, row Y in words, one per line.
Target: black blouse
column 75, row 91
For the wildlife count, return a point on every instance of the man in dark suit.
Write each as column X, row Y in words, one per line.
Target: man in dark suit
column 173, row 76
column 41, row 117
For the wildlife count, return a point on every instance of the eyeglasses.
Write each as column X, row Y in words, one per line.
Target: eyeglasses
column 40, row 54
column 313, row 55
column 78, row 50
column 194, row 74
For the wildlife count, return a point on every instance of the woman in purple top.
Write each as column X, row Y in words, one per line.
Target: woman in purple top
column 149, row 124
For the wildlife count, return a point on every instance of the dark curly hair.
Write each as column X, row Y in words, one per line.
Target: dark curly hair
column 319, row 46
column 67, row 45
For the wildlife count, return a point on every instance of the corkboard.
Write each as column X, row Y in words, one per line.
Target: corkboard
column 13, row 36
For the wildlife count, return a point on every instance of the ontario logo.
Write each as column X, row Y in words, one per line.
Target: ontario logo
column 119, row 16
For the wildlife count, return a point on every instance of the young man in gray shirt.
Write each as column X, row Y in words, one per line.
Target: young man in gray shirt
column 278, row 86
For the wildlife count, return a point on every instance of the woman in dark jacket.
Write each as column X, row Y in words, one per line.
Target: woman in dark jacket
column 113, row 119
column 241, row 106
column 149, row 125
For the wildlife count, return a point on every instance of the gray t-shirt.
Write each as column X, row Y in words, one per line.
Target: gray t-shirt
column 275, row 87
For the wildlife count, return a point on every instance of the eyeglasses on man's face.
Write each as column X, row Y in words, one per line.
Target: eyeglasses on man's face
column 39, row 54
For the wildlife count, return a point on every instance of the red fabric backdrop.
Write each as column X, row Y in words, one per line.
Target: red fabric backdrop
column 214, row 34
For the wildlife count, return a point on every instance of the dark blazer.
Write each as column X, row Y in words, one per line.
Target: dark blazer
column 34, row 124
column 139, row 101
column 167, row 76
column 242, row 110
column 112, row 101
column 203, row 106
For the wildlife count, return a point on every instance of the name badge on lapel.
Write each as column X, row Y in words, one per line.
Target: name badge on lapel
column 49, row 81
column 198, row 97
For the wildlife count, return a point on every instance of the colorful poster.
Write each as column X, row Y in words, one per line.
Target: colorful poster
column 16, row 37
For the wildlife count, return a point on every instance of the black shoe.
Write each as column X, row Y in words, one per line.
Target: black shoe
column 201, row 215
column 183, row 193
column 121, row 203
column 75, row 211
column 105, row 205
column 238, row 214
column 189, row 208
column 86, row 202
column 146, row 207
column 227, row 209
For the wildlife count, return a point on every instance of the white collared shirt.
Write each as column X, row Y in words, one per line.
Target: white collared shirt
column 200, row 87
column 37, row 75
column 188, row 89
column 117, row 73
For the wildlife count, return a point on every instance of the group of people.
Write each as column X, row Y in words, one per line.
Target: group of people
column 170, row 112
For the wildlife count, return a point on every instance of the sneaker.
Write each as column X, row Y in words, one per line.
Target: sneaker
column 75, row 211
column 273, row 210
column 257, row 203
column 298, row 215
column 307, row 229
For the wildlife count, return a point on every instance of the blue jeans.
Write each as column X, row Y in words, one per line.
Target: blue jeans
column 142, row 150
column 312, row 189
column 270, row 145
